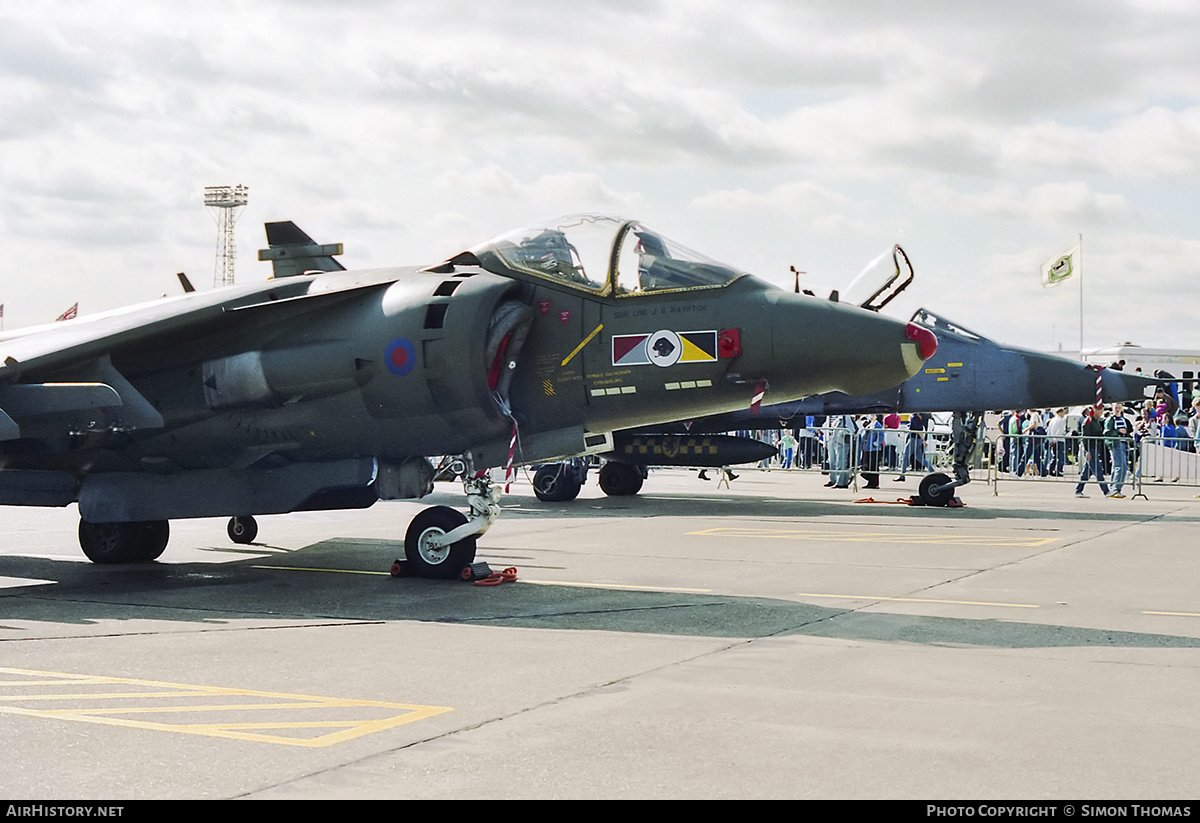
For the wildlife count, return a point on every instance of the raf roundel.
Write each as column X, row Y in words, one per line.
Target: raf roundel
column 400, row 357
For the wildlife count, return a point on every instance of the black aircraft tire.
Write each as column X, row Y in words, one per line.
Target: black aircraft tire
column 926, row 490
column 441, row 564
column 112, row 543
column 555, row 483
column 620, row 479
column 571, row 488
column 242, row 529
column 154, row 537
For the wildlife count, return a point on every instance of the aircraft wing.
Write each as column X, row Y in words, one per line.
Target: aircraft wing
column 30, row 358
column 53, row 345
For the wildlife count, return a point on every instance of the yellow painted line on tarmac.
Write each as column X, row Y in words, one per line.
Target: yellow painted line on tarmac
column 949, row 539
column 1175, row 614
column 241, row 714
column 577, row 586
column 314, row 569
column 616, row 586
column 921, row 600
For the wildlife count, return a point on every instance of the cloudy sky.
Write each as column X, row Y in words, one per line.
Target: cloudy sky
column 984, row 137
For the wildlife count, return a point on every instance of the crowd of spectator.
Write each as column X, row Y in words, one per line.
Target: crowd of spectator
column 1098, row 443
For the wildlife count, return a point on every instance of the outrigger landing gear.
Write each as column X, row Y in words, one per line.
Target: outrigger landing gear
column 938, row 489
column 440, row 541
column 242, row 529
column 111, row 543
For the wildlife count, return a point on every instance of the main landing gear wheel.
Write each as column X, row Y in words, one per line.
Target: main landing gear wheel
column 926, row 492
column 555, row 483
column 440, row 562
column 620, row 479
column 155, row 535
column 112, row 543
column 242, row 529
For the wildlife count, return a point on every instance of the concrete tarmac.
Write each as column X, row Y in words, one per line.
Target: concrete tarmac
column 774, row 639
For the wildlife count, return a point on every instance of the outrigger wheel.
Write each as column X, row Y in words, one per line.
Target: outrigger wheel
column 425, row 559
column 932, row 492
column 242, row 529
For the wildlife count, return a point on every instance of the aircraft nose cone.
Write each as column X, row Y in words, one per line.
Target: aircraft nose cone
column 1056, row 381
column 1119, row 386
column 1018, row 378
column 821, row 346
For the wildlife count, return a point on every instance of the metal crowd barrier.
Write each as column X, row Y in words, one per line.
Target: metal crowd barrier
column 1148, row 461
column 839, row 451
column 1165, row 460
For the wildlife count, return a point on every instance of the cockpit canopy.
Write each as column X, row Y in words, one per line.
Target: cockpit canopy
column 942, row 326
column 604, row 255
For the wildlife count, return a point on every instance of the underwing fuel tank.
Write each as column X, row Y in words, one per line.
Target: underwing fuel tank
column 707, row 451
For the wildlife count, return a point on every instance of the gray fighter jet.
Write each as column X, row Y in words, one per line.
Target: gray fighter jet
column 330, row 389
column 969, row 373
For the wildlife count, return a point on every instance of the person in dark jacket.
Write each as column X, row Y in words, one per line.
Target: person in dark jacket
column 1091, row 442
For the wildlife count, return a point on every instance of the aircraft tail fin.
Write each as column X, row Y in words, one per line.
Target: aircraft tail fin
column 293, row 252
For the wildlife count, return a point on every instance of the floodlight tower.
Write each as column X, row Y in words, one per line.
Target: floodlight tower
column 225, row 203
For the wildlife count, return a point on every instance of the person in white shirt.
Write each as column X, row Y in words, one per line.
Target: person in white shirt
column 1056, row 429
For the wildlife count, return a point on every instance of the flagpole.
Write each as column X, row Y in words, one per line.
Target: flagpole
column 1081, row 357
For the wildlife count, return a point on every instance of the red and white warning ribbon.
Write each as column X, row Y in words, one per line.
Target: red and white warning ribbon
column 760, row 391
column 1099, row 384
column 508, row 469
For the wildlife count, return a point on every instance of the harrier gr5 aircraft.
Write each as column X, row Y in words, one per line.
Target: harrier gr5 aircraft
column 330, row 389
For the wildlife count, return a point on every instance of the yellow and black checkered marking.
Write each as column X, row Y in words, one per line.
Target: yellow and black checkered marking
column 670, row 446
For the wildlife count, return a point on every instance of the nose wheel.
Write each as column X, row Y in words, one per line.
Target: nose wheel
column 430, row 556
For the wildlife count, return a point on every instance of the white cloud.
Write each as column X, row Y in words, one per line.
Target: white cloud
column 809, row 204
column 411, row 129
column 1067, row 203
